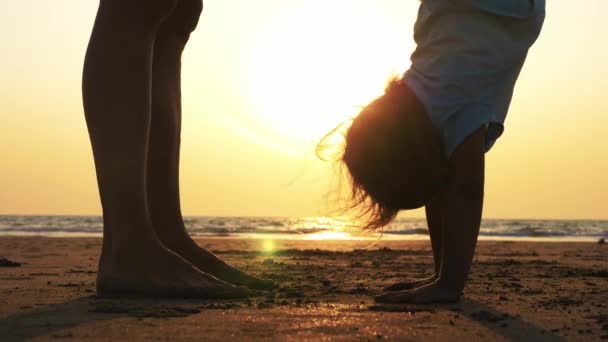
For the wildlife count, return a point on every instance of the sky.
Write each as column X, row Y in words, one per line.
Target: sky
column 264, row 80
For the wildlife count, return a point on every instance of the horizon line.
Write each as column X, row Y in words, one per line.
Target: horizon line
column 311, row 216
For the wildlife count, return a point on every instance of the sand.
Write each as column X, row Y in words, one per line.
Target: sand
column 517, row 291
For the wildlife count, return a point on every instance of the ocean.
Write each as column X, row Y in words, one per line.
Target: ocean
column 319, row 228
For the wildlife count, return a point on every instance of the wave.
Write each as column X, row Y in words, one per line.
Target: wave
column 235, row 226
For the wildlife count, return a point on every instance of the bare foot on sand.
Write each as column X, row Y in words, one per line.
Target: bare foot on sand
column 147, row 268
column 410, row 285
column 431, row 293
column 209, row 263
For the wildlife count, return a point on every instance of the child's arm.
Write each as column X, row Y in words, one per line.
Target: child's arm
column 458, row 211
column 462, row 208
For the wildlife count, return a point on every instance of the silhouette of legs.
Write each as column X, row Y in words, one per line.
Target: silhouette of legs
column 117, row 98
column 163, row 153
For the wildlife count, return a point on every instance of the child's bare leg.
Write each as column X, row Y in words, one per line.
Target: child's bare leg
column 163, row 154
column 434, row 220
column 116, row 94
column 463, row 203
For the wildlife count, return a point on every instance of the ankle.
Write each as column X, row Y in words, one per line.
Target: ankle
column 170, row 229
column 131, row 245
column 176, row 240
column 126, row 227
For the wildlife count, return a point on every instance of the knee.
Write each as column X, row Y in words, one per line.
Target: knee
column 139, row 11
column 184, row 18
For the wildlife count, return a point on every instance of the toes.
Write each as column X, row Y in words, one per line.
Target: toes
column 424, row 296
column 261, row 284
column 238, row 277
column 399, row 287
column 213, row 291
column 268, row 284
column 409, row 285
column 234, row 292
column 383, row 298
column 393, row 297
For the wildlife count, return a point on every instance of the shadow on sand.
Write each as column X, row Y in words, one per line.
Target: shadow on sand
column 54, row 320
column 511, row 328
column 50, row 320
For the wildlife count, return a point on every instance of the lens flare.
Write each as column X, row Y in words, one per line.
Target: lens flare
column 268, row 246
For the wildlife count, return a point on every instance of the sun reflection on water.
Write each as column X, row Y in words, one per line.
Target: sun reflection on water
column 332, row 229
column 331, row 236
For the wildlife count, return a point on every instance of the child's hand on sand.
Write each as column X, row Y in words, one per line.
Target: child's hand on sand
column 431, row 293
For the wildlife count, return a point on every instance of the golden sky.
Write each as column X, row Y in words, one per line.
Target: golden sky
column 265, row 79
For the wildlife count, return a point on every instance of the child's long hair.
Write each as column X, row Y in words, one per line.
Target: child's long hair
column 393, row 157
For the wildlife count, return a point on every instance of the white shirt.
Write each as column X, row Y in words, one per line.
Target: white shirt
column 468, row 57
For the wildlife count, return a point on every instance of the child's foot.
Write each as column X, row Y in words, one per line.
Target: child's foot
column 209, row 263
column 410, row 285
column 146, row 268
column 431, row 293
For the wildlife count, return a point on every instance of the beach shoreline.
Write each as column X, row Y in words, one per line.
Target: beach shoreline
column 369, row 239
column 314, row 228
column 517, row 290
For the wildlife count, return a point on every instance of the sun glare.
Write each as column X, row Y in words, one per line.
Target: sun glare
column 268, row 246
column 312, row 66
column 330, row 236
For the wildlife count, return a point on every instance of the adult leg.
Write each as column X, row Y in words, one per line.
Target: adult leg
column 116, row 95
column 163, row 154
column 434, row 220
column 463, row 204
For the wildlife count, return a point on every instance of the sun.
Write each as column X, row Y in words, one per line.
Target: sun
column 312, row 67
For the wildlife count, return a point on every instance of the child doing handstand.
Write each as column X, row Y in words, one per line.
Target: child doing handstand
column 423, row 142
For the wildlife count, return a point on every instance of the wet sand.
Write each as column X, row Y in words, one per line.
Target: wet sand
column 517, row 291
